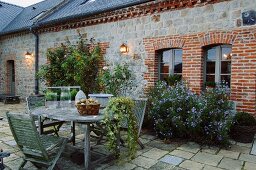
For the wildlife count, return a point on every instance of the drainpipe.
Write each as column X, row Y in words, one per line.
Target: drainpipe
column 36, row 61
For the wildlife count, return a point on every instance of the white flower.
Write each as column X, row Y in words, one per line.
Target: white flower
column 105, row 68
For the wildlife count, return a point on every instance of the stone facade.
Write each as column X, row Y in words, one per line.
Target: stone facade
column 189, row 28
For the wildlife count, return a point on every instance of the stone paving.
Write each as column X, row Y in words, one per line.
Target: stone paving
column 177, row 155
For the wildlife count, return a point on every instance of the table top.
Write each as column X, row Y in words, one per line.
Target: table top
column 66, row 114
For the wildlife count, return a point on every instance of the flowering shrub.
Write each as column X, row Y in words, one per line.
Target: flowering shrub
column 177, row 112
column 116, row 81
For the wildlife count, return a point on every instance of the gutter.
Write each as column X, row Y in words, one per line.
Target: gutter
column 36, row 90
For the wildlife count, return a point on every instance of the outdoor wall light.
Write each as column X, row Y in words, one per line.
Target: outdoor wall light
column 124, row 48
column 28, row 55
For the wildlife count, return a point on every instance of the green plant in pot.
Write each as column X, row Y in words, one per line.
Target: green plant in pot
column 119, row 111
column 244, row 127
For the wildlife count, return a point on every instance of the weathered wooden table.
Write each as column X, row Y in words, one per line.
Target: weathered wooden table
column 71, row 114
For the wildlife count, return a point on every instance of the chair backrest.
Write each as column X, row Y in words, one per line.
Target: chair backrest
column 139, row 111
column 26, row 136
column 35, row 101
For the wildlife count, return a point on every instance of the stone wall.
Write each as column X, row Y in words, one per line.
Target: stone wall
column 14, row 48
column 167, row 29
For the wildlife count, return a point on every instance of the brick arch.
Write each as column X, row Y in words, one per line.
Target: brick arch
column 168, row 43
column 216, row 37
column 152, row 45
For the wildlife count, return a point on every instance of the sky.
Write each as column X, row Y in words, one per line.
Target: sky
column 23, row 3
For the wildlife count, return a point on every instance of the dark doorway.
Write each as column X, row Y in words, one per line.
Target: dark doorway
column 10, row 77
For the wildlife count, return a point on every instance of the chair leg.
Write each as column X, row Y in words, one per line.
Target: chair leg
column 58, row 155
column 22, row 164
column 141, row 144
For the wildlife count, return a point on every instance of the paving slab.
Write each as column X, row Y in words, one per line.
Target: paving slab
column 144, row 162
column 155, row 153
column 182, row 154
column 248, row 145
column 11, row 143
column 190, row 147
column 229, row 154
column 208, row 167
column 144, row 140
column 210, row 149
column 162, row 166
column 253, row 152
column 191, row 165
column 248, row 158
column 207, row 158
column 6, row 138
column 231, row 164
column 249, row 166
column 161, row 145
column 149, row 137
column 126, row 166
column 241, row 149
column 173, row 160
column 139, row 168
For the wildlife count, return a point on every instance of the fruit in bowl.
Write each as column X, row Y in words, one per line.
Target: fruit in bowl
column 88, row 106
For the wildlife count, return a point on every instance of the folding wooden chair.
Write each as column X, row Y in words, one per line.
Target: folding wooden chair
column 41, row 150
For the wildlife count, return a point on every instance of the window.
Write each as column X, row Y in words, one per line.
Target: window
column 170, row 63
column 218, row 64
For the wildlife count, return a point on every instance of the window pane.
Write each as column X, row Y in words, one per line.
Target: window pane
column 177, row 61
column 166, row 56
column 225, row 67
column 164, row 68
column 210, row 67
column 211, row 54
column 177, row 67
column 226, row 53
column 226, row 78
column 178, row 56
column 210, row 78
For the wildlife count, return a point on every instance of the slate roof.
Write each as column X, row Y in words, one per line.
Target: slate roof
column 8, row 12
column 55, row 11
column 82, row 8
column 28, row 16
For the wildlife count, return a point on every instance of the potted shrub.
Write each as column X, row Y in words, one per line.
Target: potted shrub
column 119, row 112
column 244, row 127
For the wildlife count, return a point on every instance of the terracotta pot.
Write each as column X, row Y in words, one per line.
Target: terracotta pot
column 243, row 134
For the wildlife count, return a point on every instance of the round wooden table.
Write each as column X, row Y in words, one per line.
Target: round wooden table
column 71, row 114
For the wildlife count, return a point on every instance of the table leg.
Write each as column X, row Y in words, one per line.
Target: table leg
column 73, row 133
column 87, row 155
column 40, row 125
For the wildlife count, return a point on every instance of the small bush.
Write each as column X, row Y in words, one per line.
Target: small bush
column 244, row 119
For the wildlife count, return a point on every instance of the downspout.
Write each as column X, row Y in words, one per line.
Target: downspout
column 36, row 60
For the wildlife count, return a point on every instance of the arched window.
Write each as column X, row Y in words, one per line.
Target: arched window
column 218, row 64
column 170, row 63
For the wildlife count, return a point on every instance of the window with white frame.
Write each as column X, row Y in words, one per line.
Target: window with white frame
column 170, row 63
column 218, row 64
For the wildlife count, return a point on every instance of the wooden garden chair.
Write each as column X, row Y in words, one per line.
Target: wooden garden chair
column 2, row 156
column 41, row 150
column 45, row 126
column 139, row 111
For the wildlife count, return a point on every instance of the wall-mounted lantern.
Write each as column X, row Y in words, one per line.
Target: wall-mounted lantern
column 28, row 55
column 124, row 48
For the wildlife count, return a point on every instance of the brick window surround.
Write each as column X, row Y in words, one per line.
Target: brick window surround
column 243, row 69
